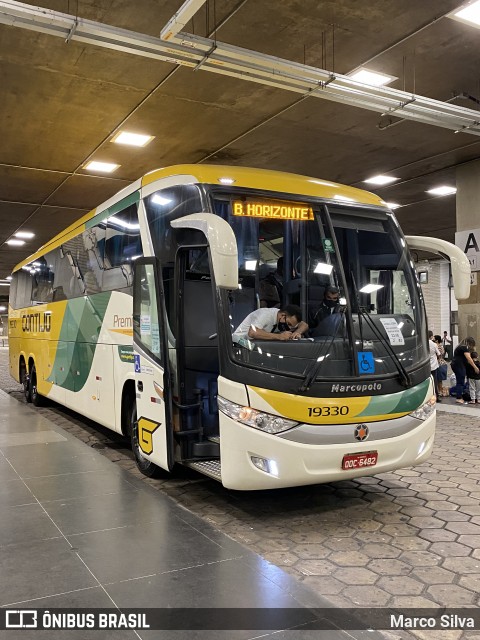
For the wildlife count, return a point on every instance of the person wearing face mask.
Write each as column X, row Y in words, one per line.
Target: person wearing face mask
column 272, row 324
column 330, row 305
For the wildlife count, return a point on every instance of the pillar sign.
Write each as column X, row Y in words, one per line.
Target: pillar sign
column 469, row 242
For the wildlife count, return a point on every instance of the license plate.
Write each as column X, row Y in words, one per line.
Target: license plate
column 360, row 460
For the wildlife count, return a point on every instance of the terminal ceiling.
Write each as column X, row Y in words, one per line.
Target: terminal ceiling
column 62, row 102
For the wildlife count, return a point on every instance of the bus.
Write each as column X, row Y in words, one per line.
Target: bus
column 128, row 317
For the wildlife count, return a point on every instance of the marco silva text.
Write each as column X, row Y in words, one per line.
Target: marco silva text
column 445, row 621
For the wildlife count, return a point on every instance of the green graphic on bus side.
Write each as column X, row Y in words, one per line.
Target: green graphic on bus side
column 78, row 340
column 125, row 353
column 402, row 402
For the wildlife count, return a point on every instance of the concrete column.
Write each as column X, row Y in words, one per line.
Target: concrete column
column 468, row 217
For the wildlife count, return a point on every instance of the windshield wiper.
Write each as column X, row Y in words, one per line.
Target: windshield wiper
column 362, row 313
column 404, row 375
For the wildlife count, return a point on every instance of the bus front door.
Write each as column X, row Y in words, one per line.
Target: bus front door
column 152, row 428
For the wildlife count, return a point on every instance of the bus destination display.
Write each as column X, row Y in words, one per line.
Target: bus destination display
column 272, row 209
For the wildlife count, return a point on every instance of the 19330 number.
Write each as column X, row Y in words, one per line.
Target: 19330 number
column 317, row 412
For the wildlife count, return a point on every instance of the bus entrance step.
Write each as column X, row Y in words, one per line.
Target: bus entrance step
column 211, row 468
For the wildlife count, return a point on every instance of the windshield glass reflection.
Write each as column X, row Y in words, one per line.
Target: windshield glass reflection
column 348, row 273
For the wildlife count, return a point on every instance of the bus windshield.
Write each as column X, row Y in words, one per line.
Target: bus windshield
column 348, row 270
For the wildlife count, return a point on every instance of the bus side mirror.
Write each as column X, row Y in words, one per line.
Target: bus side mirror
column 222, row 243
column 461, row 272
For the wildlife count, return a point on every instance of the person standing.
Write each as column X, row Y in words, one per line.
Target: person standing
column 474, row 379
column 462, row 357
column 434, row 355
column 447, row 346
column 442, row 367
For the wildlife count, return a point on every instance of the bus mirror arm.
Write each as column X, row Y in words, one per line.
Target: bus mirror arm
column 461, row 271
column 222, row 243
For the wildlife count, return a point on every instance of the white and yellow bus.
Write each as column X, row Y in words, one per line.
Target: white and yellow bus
column 127, row 317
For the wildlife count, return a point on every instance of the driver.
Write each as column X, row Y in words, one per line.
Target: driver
column 329, row 305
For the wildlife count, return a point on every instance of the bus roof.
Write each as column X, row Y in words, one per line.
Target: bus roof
column 267, row 180
column 251, row 178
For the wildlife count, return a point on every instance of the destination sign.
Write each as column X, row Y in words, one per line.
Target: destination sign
column 272, row 209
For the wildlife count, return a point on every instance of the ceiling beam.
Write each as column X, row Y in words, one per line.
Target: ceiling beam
column 179, row 20
column 217, row 57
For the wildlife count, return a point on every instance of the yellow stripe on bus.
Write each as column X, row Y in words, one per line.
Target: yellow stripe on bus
column 318, row 410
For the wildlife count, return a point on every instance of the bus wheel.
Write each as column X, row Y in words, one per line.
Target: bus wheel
column 148, row 468
column 36, row 398
column 26, row 385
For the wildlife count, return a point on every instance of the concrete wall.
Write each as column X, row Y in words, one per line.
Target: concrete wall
column 468, row 217
column 436, row 294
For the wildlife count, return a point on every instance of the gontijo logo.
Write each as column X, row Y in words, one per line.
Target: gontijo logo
column 37, row 322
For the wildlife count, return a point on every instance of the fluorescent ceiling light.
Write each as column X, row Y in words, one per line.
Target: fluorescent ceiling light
column 8, row 278
column 323, row 267
column 101, row 167
column 325, row 184
column 380, row 179
column 121, row 223
column 337, row 196
column 393, row 205
column 4, row 284
column 226, row 180
column 156, row 199
column 3, row 308
column 469, row 14
column 132, row 139
column 250, row 265
column 374, row 78
column 24, row 234
column 16, row 243
column 442, row 191
column 370, row 288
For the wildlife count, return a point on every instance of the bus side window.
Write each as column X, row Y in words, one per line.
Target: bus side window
column 70, row 269
column 43, row 282
column 94, row 243
column 12, row 297
column 22, row 289
column 122, row 247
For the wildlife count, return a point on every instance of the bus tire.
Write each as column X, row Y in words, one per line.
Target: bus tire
column 144, row 465
column 35, row 397
column 26, row 386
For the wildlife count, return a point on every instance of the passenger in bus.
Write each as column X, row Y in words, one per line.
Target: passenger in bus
column 272, row 324
column 271, row 287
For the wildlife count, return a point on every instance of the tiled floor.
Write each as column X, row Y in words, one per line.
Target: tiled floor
column 409, row 538
column 77, row 531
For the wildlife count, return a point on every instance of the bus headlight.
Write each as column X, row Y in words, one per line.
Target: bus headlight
column 256, row 419
column 425, row 410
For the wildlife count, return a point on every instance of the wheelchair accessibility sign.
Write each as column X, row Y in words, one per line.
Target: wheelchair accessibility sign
column 366, row 363
column 136, row 360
